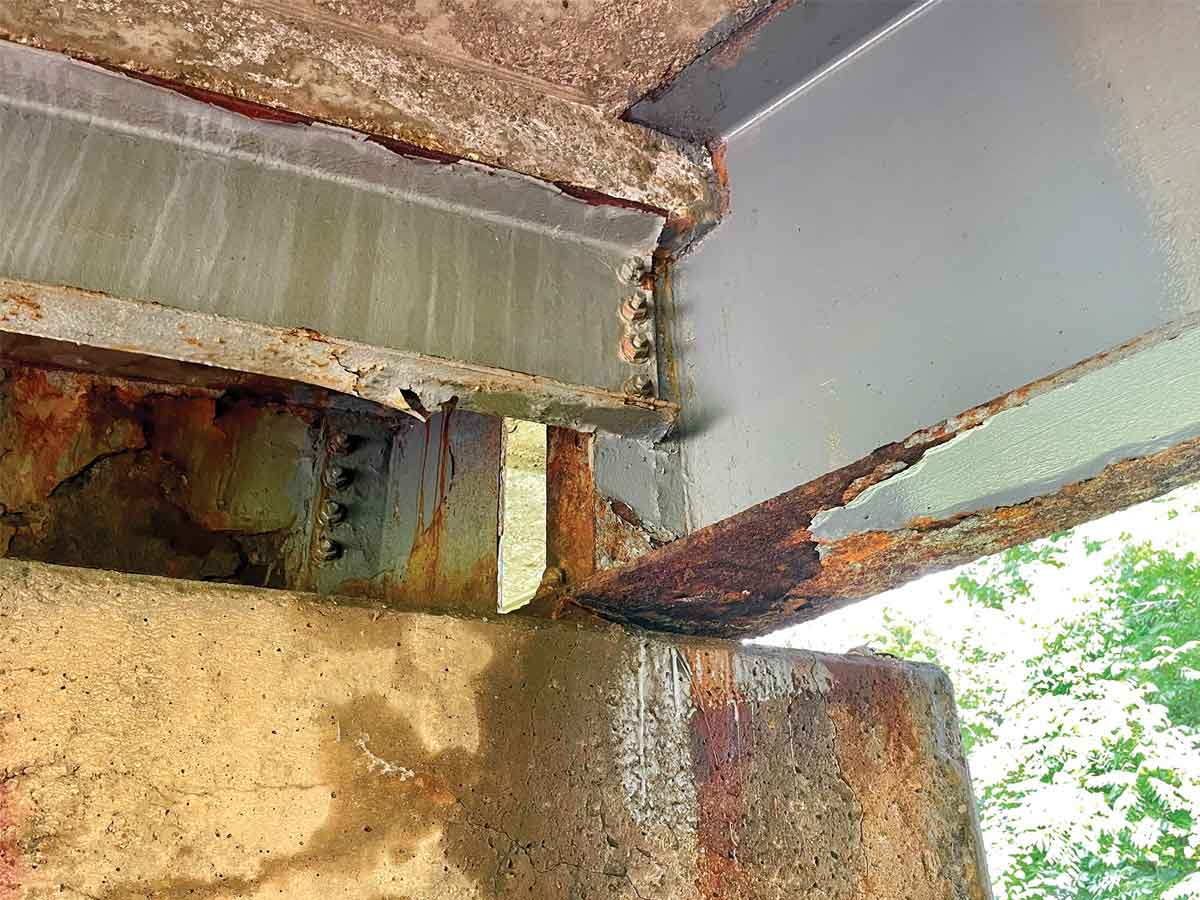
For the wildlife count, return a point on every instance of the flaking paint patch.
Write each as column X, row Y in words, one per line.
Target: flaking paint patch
column 1136, row 406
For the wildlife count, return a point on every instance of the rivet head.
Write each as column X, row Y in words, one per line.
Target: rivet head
column 332, row 513
column 338, row 476
column 328, row 550
column 636, row 347
column 632, row 270
column 636, row 307
column 342, row 443
column 639, row 385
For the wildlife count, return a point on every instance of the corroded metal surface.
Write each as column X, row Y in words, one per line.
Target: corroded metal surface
column 232, row 742
column 229, row 485
column 771, row 565
column 476, row 81
column 812, row 330
column 570, row 505
column 400, row 380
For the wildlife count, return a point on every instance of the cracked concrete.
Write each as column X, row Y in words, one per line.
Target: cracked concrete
column 236, row 743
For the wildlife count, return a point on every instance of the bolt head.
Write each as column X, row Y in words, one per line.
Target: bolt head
column 636, row 347
column 328, row 550
column 342, row 443
column 639, row 385
column 636, row 307
column 632, row 270
column 332, row 513
column 338, row 476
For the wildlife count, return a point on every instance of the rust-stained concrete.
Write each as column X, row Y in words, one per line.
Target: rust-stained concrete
column 176, row 740
column 526, row 86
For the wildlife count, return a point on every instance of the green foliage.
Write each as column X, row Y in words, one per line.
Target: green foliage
column 1083, row 729
column 995, row 582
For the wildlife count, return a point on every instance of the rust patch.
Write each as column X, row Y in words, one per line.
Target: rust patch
column 247, row 108
column 20, row 304
column 445, row 568
column 721, row 748
column 593, row 197
column 722, row 191
column 141, row 478
column 870, row 703
column 622, row 537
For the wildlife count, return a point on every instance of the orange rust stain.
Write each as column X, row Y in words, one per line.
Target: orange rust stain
column 721, row 746
column 877, row 745
column 723, row 190
column 570, row 504
column 13, row 868
column 432, row 576
column 860, row 549
column 60, row 424
column 20, row 304
column 189, row 432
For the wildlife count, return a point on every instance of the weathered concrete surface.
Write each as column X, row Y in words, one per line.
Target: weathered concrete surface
column 1116, row 429
column 169, row 740
column 477, row 82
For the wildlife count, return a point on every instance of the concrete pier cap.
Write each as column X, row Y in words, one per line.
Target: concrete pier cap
column 167, row 739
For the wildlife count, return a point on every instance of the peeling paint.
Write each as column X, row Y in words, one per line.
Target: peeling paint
column 1134, row 407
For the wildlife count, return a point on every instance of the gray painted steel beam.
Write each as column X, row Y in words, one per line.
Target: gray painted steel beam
column 991, row 193
column 114, row 186
column 986, row 194
column 776, row 54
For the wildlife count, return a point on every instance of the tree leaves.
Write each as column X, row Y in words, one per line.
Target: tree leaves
column 1083, row 731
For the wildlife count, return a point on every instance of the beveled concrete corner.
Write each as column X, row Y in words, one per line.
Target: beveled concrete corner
column 176, row 739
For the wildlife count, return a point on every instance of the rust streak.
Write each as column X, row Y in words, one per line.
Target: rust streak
column 721, row 748
column 570, row 498
column 13, row 868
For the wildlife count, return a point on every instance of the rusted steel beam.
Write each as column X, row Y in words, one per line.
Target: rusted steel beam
column 330, row 494
column 411, row 382
column 1116, row 429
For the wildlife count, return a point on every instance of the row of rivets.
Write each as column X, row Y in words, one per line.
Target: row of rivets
column 333, row 512
column 637, row 343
